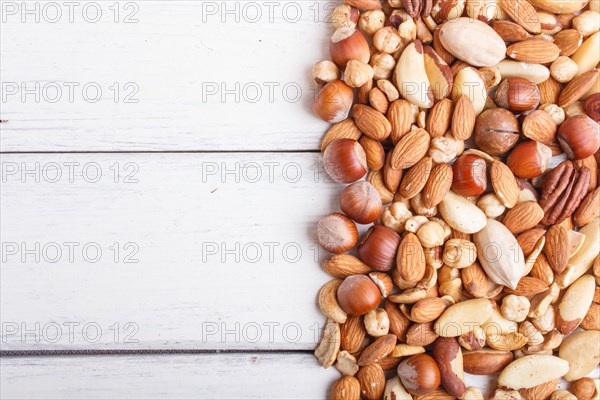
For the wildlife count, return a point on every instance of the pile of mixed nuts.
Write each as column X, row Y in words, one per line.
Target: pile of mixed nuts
column 475, row 123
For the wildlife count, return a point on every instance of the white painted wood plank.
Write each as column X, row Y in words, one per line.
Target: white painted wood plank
column 205, row 376
column 191, row 256
column 190, row 75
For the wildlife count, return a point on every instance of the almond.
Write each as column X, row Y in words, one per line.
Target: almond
column 372, row 381
column 542, row 270
column 568, row 41
column 523, row 216
column 509, row 31
column 399, row 324
column 528, row 239
column 410, row 261
column 504, row 184
column 374, row 151
column 557, row 248
column 378, row 100
column 344, row 265
column 528, row 287
column 577, row 88
column 400, row 115
column 415, row 179
column 540, row 126
column 486, row 361
column 589, row 209
column 463, row 119
column 346, row 129
column 377, row 350
column 536, row 51
column 411, row 148
column 371, row 122
column 352, row 334
column 346, row 388
column 438, row 184
column 440, row 116
column 475, row 280
column 421, row 334
column 427, row 310
column 540, row 392
column 523, row 13
column 549, row 91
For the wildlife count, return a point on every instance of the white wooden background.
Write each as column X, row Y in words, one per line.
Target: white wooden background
column 164, row 221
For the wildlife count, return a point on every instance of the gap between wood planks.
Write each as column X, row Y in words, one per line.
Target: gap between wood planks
column 133, row 352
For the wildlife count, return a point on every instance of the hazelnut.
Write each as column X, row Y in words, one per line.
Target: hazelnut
column 361, row 202
column 431, row 234
column 324, row 72
column 383, row 65
column 387, row 40
column 592, row 107
column 371, row 21
column 377, row 322
column 496, row 131
column 413, row 224
column 345, row 16
column 348, row 44
column 515, row 308
column 337, row 233
column 584, row 388
column 518, row 94
column 579, row 137
column 345, row 160
column 378, row 248
column 469, row 175
column 333, row 102
column 564, row 69
column 395, row 216
column 358, row 295
column 419, row 374
column 529, row 159
column 357, row 73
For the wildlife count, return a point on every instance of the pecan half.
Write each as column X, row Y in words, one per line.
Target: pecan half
column 414, row 8
column 563, row 191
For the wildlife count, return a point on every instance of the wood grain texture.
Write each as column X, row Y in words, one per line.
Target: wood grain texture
column 203, row 376
column 194, row 252
column 188, row 75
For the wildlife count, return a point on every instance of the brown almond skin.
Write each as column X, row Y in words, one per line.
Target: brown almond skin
column 486, row 362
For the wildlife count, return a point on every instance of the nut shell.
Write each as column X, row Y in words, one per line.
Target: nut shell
column 496, row 131
column 378, row 248
column 358, row 295
column 419, row 374
column 469, row 175
column 361, row 202
column 529, row 159
column 579, row 136
column 349, row 44
column 337, row 233
column 333, row 102
column 345, row 160
column 518, row 94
